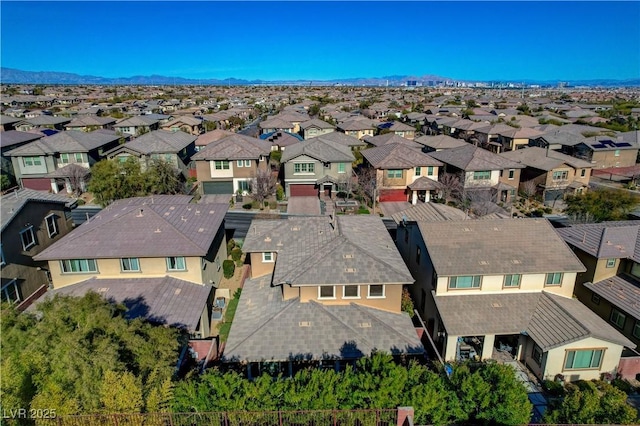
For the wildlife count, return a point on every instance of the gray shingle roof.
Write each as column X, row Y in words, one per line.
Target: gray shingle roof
column 472, row 158
column 162, row 300
column 498, row 246
column 138, row 121
column 440, row 141
column 266, row 327
column 341, row 138
column 397, row 156
column 316, row 123
column 622, row 290
column 543, row 159
column 550, row 320
column 234, row 147
column 605, row 240
column 14, row 137
column 158, row 142
column 429, row 212
column 68, row 141
column 391, row 138
column 13, row 202
column 319, row 148
column 152, row 226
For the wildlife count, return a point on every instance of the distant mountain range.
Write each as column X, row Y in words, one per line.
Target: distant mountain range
column 15, row 76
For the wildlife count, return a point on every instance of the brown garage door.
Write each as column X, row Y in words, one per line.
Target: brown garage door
column 39, row 184
column 303, row 190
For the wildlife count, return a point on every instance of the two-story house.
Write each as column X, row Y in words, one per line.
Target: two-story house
column 275, row 124
column 438, row 142
column 506, row 285
column 357, row 127
column 143, row 247
column 323, row 292
column 89, row 123
column 315, row 127
column 176, row 148
column 9, row 140
column 552, row 173
column 314, row 165
column 481, row 170
column 229, row 164
column 34, row 162
column 185, row 123
column 398, row 128
column 605, row 151
column 403, row 173
column 610, row 286
column 137, row 125
column 31, row 222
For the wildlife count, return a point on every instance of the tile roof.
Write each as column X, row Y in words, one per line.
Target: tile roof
column 158, row 142
column 14, row 137
column 68, row 141
column 605, row 240
column 440, row 142
column 154, row 226
column 397, row 156
column 13, row 202
column 137, row 121
column 212, row 136
column 161, row 300
column 234, row 147
column 341, row 138
column 312, row 250
column 496, row 247
column 316, row 123
column 89, row 120
column 550, row 320
column 319, row 148
column 544, row 159
column 391, row 138
column 275, row 123
column 266, row 327
column 429, row 212
column 622, row 291
column 472, row 158
column 359, row 124
column 424, row 183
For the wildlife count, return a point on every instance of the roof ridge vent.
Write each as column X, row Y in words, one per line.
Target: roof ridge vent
column 140, row 213
column 280, row 244
column 267, row 239
column 157, row 231
column 197, row 212
column 182, row 218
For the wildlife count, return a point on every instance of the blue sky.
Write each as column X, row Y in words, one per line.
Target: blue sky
column 324, row 40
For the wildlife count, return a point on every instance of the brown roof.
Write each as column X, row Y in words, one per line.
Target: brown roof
column 472, row 158
column 396, row 156
column 234, row 147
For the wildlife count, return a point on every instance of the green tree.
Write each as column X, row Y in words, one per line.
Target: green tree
column 5, row 182
column 105, row 182
column 121, row 393
column 163, row 178
column 601, row 205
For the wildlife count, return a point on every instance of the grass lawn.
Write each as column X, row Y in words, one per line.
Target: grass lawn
column 225, row 326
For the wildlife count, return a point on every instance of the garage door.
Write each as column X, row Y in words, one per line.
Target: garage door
column 303, row 190
column 392, row 195
column 217, row 187
column 42, row 184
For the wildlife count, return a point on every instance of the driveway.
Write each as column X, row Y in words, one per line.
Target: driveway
column 304, row 206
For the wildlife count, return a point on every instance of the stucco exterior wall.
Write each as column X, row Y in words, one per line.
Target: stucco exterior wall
column 555, row 361
column 390, row 301
column 260, row 268
column 494, row 284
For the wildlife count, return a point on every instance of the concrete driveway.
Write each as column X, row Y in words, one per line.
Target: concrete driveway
column 304, row 206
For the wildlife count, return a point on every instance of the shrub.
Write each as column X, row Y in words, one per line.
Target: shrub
column 279, row 193
column 228, row 267
column 230, row 245
column 407, row 303
column 363, row 210
column 266, row 203
column 623, row 385
column 553, row 388
column 236, row 253
column 247, row 206
column 273, row 205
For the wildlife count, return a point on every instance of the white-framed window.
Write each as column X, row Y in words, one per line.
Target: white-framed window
column 130, row 264
column 611, row 263
column 512, row 173
column 468, row 281
column 616, row 153
column 221, row 165
column 636, row 330
column 342, row 168
column 28, row 238
column 375, row 291
column 351, row 292
column 79, row 157
column 560, row 175
column 218, row 266
column 430, row 171
column 31, row 161
column 482, row 175
column 584, row 359
column 240, row 163
column 176, row 263
column 617, row 318
column 247, row 163
column 70, row 266
column 243, row 185
column 10, row 292
column 394, row 174
column 554, row 278
column 52, row 226
column 326, row 292
column 512, row 280
column 583, row 172
column 418, row 171
column 64, row 158
column 304, row 168
column 536, row 354
column 267, row 257
column 2, row 261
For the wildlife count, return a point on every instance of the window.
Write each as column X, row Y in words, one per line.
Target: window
column 555, row 278
column 267, row 256
column 27, row 238
column 616, row 153
column 10, row 292
column 176, row 263
column 583, row 172
column 240, row 163
column 595, row 298
column 418, row 171
column 31, row 161
column 583, row 359
column 537, row 354
column 430, row 171
column 221, row 165
column 482, row 175
column 218, row 266
column 636, row 330
column 79, row 157
column 512, row 173
column 341, row 168
column 394, row 174
column 247, row 163
column 351, row 292
column 78, row 265
column 512, row 280
column 168, row 158
column 243, row 185
column 52, row 226
column 617, row 318
column 560, row 175
column 376, row 291
column 304, row 168
column 64, row 158
column 326, row 292
column 418, row 253
column 469, row 281
column 130, row 264
column 611, row 263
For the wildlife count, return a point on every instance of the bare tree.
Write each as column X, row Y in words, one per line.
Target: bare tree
column 481, row 202
column 529, row 189
column 347, row 183
column 77, row 176
column 451, row 187
column 369, row 182
column 263, row 185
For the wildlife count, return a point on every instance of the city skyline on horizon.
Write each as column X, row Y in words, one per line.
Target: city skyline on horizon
column 311, row 41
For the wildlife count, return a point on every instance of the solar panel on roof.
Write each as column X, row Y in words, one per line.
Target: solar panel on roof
column 385, row 125
column 598, row 146
column 621, row 144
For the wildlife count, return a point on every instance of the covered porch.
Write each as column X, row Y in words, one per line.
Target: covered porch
column 71, row 178
column 423, row 190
